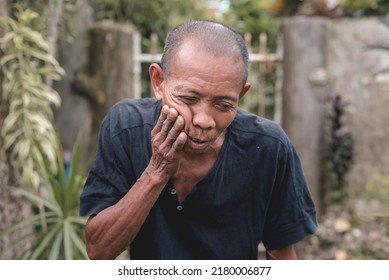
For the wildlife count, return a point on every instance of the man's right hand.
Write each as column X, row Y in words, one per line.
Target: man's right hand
column 167, row 140
column 113, row 229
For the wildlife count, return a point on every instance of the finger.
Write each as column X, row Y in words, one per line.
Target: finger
column 162, row 117
column 175, row 131
column 161, row 131
column 169, row 121
column 178, row 144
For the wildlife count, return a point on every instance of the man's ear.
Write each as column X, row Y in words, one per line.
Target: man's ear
column 245, row 89
column 157, row 80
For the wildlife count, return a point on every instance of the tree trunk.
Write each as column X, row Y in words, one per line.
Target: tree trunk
column 108, row 75
column 74, row 115
column 12, row 209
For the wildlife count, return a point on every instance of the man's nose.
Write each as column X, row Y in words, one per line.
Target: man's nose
column 203, row 118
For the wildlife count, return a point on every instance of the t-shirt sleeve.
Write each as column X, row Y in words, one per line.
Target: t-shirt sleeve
column 291, row 214
column 106, row 183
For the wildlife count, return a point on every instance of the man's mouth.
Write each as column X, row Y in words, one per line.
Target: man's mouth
column 196, row 140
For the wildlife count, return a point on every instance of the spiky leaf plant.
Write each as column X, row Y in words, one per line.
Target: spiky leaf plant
column 62, row 237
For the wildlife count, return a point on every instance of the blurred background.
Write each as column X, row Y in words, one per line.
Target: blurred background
column 319, row 68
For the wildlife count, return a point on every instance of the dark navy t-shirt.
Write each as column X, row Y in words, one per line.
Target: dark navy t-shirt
column 256, row 191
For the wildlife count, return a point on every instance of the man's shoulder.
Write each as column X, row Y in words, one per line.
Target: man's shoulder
column 246, row 123
column 140, row 106
column 129, row 113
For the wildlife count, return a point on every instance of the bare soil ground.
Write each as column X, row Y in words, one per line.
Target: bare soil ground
column 347, row 236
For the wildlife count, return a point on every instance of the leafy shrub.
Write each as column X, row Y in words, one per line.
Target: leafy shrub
column 59, row 229
column 25, row 63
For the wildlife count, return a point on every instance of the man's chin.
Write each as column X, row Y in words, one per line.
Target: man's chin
column 190, row 150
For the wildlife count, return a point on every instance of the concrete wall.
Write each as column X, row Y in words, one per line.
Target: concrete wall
column 349, row 57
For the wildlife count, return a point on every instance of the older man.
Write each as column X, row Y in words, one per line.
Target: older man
column 188, row 174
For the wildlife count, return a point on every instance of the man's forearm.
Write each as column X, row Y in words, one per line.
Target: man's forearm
column 286, row 253
column 111, row 231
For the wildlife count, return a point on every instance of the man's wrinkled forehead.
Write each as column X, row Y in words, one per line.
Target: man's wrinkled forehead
column 193, row 50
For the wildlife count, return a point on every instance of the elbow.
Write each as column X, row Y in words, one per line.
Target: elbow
column 96, row 249
column 101, row 244
column 92, row 243
column 94, row 253
column 286, row 253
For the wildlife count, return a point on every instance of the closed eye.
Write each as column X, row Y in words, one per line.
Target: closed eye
column 224, row 106
column 188, row 99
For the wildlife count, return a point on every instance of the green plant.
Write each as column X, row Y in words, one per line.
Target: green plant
column 63, row 234
column 337, row 154
column 358, row 8
column 251, row 16
column 25, row 64
column 379, row 187
column 378, row 190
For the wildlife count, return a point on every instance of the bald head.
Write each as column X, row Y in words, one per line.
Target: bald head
column 218, row 39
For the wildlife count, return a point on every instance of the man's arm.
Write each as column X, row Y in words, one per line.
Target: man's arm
column 286, row 253
column 112, row 230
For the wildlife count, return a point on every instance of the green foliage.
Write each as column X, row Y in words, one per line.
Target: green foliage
column 250, row 16
column 25, row 63
column 39, row 24
column 357, row 8
column 30, row 140
column 337, row 154
column 255, row 17
column 151, row 16
column 338, row 8
column 61, row 236
column 66, row 28
column 378, row 189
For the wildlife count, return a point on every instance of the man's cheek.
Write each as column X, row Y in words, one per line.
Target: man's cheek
column 186, row 115
column 182, row 108
column 184, row 111
column 171, row 101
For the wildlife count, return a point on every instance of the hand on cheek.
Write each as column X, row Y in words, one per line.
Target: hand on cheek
column 168, row 140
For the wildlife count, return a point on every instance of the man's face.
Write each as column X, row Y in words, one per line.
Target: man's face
column 205, row 91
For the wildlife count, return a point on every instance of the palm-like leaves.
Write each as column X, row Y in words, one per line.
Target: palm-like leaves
column 62, row 235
